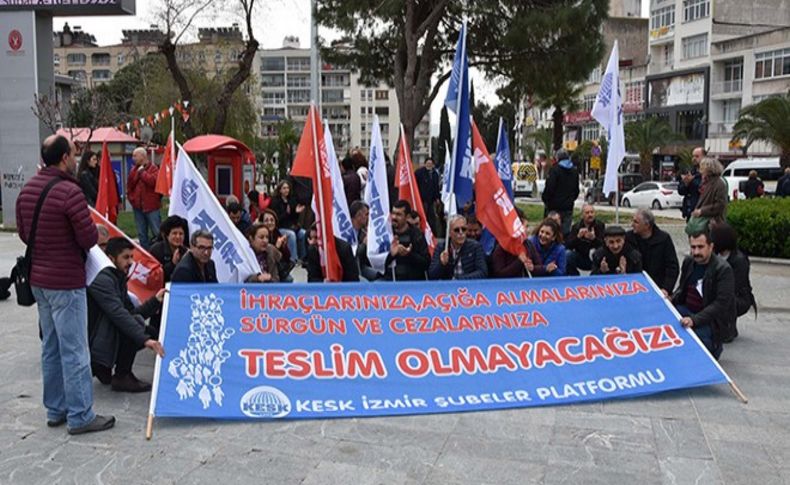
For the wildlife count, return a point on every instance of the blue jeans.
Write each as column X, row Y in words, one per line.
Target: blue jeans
column 145, row 221
column 705, row 334
column 296, row 243
column 65, row 357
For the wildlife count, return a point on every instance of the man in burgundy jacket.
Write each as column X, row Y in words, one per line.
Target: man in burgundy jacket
column 144, row 199
column 64, row 233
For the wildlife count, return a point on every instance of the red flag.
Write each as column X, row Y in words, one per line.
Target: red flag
column 494, row 208
column 408, row 190
column 146, row 275
column 164, row 180
column 311, row 162
column 107, row 199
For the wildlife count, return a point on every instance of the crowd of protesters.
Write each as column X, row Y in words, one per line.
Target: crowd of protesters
column 97, row 331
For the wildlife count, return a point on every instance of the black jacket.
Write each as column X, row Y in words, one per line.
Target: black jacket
column 89, row 183
column 347, row 261
column 744, row 298
column 161, row 251
column 659, row 258
column 562, row 188
column 718, row 295
column 413, row 266
column 352, row 186
column 110, row 311
column 187, row 271
column 428, row 183
column 287, row 217
column 473, row 262
column 690, row 193
column 753, row 188
column 633, row 260
column 783, row 186
column 583, row 245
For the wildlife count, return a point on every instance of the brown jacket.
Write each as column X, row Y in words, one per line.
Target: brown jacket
column 713, row 199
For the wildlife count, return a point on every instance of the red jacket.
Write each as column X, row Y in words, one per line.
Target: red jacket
column 140, row 188
column 65, row 230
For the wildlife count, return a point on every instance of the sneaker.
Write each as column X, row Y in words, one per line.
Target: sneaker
column 129, row 383
column 99, row 423
column 104, row 374
column 54, row 423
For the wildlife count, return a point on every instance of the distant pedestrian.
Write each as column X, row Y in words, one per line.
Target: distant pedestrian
column 429, row 185
column 783, row 184
column 145, row 201
column 689, row 183
column 753, row 187
column 562, row 190
column 88, row 176
column 713, row 192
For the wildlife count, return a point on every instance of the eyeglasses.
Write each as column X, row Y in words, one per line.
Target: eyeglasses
column 460, row 230
column 204, row 249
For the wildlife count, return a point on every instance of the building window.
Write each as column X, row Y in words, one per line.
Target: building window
column 217, row 56
column 298, row 63
column 382, row 111
column 695, row 9
column 588, row 102
column 669, row 54
column 332, row 96
column 277, row 97
column 595, row 76
column 591, row 132
column 56, row 59
column 76, row 59
column 121, row 59
column 382, row 94
column 695, row 46
column 100, row 59
column 101, row 75
column 272, row 80
column 634, row 93
column 77, row 74
column 273, row 64
column 730, row 110
column 298, row 81
column 662, row 17
column 298, row 111
column 772, row 64
column 298, row 95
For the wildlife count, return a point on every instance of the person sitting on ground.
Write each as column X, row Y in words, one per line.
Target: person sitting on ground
column 753, row 187
column 705, row 297
column 259, row 202
column 616, row 257
column 280, row 242
column 413, row 219
column 465, row 258
column 585, row 236
column 170, row 249
column 506, row 265
column 116, row 328
column 268, row 256
column 408, row 251
column 724, row 240
column 196, row 266
column 236, row 213
column 546, row 255
column 347, row 260
column 655, row 246
column 474, row 230
column 288, row 209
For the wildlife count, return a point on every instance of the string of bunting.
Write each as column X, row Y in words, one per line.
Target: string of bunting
column 183, row 107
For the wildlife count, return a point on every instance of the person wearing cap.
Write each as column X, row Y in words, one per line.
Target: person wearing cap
column 616, row 257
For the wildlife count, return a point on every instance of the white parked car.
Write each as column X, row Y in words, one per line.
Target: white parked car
column 653, row 195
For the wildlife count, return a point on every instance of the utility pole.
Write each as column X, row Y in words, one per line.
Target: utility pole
column 315, row 61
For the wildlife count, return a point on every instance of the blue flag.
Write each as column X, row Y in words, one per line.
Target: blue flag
column 457, row 100
column 503, row 159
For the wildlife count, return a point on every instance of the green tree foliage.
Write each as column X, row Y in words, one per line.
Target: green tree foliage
column 487, row 120
column 769, row 121
column 644, row 137
column 445, row 136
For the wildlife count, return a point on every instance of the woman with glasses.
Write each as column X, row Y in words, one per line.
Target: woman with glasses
column 196, row 266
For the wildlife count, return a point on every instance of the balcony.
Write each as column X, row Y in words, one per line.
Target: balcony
column 662, row 35
column 721, row 129
column 731, row 88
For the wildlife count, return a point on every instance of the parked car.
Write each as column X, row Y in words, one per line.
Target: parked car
column 736, row 173
column 653, row 195
column 627, row 182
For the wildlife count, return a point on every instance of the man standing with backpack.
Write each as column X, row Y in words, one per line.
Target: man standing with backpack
column 52, row 217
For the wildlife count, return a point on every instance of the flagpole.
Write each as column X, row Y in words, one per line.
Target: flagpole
column 172, row 143
column 498, row 136
column 319, row 206
column 455, row 147
column 403, row 149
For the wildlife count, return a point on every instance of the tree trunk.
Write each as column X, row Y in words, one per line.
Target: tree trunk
column 556, row 137
column 646, row 166
column 241, row 75
column 168, row 49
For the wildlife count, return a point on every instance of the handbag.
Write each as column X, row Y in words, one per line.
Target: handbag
column 697, row 225
column 21, row 272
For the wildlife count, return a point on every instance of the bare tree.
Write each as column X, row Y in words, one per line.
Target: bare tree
column 88, row 110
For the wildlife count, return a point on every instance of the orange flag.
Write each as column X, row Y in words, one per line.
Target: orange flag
column 146, row 275
column 164, row 181
column 408, row 190
column 311, row 161
column 494, row 207
column 107, row 199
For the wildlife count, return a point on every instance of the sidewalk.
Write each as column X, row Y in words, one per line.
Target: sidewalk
column 693, row 436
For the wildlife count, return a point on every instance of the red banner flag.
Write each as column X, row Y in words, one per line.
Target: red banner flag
column 494, row 207
column 107, row 199
column 164, row 180
column 311, row 161
column 146, row 275
column 408, row 190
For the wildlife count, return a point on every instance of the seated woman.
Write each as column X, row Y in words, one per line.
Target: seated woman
column 280, row 242
column 174, row 231
column 546, row 253
column 268, row 256
column 285, row 205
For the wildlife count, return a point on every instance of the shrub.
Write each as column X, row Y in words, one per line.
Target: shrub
column 763, row 226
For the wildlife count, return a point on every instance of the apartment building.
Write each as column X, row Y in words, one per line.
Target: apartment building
column 346, row 103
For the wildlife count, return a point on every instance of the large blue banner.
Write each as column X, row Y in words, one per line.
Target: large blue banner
column 343, row 350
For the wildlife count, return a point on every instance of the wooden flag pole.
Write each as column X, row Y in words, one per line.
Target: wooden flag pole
column 149, row 427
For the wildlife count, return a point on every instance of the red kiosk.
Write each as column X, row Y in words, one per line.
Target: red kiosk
column 231, row 165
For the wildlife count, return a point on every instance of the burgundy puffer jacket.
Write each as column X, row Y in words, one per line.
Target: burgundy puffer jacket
column 65, row 230
column 141, row 185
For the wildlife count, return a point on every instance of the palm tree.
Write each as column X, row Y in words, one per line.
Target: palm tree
column 644, row 137
column 564, row 97
column 544, row 140
column 769, row 121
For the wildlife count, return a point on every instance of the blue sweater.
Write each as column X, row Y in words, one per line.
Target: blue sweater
column 541, row 258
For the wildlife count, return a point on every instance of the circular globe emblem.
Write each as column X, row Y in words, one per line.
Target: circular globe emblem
column 265, row 402
column 15, row 40
column 189, row 193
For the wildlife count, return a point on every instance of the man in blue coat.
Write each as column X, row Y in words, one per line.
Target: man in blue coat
column 463, row 260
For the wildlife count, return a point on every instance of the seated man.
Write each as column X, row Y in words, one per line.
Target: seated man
column 414, row 219
column 464, row 260
column 616, row 257
column 116, row 327
column 347, row 260
column 474, row 230
column 236, row 213
column 656, row 248
column 408, row 251
column 196, row 266
column 585, row 236
column 706, row 294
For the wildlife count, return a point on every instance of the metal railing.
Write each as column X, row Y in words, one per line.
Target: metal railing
column 725, row 87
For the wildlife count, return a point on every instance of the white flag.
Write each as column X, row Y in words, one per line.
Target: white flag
column 608, row 111
column 192, row 199
column 341, row 216
column 377, row 196
column 448, row 198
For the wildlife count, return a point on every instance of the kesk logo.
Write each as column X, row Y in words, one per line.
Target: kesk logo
column 265, row 402
column 15, row 40
column 189, row 193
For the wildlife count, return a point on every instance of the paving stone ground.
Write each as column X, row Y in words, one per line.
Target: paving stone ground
column 693, row 436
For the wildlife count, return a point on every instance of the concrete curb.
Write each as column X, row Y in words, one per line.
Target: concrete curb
column 759, row 259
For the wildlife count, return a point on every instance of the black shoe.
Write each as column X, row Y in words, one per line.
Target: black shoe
column 99, row 423
column 104, row 374
column 54, row 423
column 129, row 383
